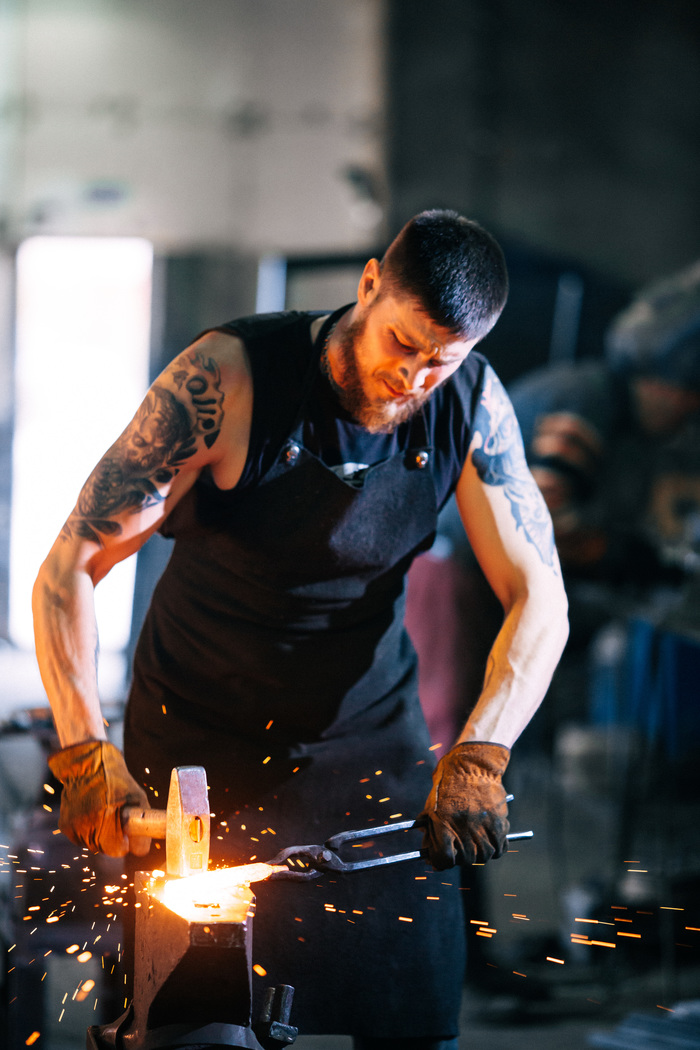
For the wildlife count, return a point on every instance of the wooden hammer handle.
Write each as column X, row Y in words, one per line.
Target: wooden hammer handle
column 150, row 823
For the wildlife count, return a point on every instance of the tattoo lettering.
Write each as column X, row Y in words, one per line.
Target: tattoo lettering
column 161, row 437
column 499, row 459
column 202, row 381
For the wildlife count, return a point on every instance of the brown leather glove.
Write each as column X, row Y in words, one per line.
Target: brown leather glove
column 96, row 784
column 465, row 819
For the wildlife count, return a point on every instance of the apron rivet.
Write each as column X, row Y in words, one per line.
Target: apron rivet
column 291, row 452
column 422, row 459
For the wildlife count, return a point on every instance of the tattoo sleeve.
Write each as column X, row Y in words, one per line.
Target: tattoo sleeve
column 162, row 436
column 499, row 458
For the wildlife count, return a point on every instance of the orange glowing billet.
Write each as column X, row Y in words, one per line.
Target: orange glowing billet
column 222, row 895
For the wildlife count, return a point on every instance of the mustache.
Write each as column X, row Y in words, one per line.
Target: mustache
column 416, row 396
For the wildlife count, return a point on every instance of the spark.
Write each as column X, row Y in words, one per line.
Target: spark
column 32, row 1039
column 403, row 918
column 434, row 747
column 577, row 938
column 266, row 760
column 550, row 958
column 82, row 993
column 260, row 970
column 269, row 723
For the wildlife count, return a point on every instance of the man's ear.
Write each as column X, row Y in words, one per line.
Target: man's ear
column 368, row 288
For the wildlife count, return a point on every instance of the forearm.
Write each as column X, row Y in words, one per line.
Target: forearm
column 66, row 648
column 520, row 667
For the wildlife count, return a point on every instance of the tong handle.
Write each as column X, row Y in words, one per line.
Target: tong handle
column 336, row 841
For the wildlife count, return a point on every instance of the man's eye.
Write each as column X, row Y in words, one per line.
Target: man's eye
column 404, row 346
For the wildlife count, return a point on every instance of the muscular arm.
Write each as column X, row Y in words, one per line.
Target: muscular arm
column 196, row 413
column 510, row 531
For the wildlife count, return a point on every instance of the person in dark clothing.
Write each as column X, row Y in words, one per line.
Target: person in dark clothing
column 299, row 462
column 610, row 441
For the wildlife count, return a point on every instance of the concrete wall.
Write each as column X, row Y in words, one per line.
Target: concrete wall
column 219, row 122
column 571, row 125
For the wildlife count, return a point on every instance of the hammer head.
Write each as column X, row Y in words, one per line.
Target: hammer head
column 187, row 822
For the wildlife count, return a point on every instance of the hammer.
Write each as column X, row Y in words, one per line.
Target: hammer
column 184, row 824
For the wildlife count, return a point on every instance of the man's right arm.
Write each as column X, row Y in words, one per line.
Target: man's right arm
column 196, row 414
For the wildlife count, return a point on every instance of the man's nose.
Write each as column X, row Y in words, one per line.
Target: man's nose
column 414, row 373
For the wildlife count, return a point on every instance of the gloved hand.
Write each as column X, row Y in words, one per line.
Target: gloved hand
column 465, row 819
column 96, row 784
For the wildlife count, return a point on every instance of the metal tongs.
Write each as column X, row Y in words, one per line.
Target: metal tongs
column 307, row 862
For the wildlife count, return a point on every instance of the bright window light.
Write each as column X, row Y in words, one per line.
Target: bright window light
column 83, row 325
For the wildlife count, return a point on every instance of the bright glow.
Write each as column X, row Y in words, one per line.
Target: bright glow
column 83, row 324
column 222, row 895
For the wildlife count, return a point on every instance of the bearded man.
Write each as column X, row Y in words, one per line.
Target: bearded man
column 320, row 449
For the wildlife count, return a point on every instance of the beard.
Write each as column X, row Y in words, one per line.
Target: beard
column 377, row 415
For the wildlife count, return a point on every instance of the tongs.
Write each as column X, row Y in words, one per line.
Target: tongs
column 307, row 862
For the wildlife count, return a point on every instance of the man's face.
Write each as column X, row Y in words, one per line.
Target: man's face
column 390, row 359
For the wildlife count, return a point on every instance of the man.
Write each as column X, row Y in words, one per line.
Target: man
column 306, row 459
column 608, row 441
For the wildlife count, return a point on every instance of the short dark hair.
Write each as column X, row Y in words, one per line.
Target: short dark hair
column 453, row 267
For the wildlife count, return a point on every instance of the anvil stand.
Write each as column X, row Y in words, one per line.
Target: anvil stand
column 193, row 987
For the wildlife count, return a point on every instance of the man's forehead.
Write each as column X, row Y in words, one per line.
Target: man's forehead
column 416, row 324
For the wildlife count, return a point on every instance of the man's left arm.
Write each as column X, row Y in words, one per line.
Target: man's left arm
column 510, row 531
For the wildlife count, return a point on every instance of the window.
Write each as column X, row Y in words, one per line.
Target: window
column 83, row 328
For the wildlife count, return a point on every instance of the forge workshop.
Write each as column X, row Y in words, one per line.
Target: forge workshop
column 349, row 524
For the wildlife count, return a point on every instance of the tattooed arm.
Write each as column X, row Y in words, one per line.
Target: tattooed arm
column 510, row 531
column 196, row 414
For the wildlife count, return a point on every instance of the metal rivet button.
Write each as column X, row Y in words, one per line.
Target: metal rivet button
column 291, row 452
column 422, row 459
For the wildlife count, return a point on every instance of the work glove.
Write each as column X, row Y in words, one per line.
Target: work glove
column 96, row 784
column 465, row 820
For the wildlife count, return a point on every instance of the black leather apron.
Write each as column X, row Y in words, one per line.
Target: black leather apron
column 274, row 654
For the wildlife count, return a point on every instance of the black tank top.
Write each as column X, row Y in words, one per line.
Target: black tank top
column 278, row 346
